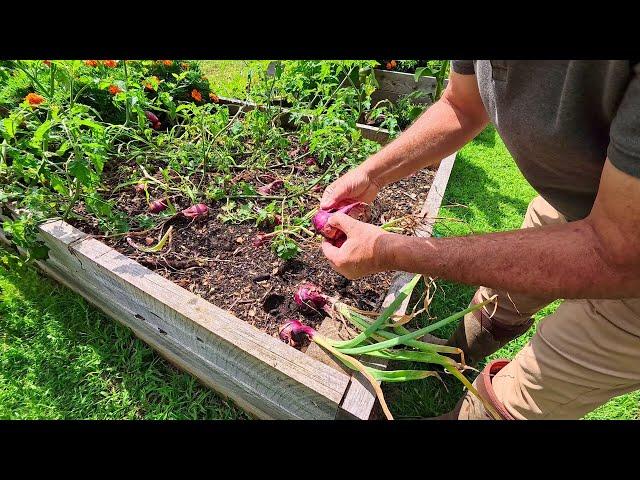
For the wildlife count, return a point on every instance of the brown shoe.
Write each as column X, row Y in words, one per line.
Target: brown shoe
column 478, row 335
column 471, row 407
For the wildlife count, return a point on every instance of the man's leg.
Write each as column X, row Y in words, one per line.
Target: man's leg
column 584, row 354
column 480, row 334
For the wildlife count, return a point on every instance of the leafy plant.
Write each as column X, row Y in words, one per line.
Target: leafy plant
column 152, row 123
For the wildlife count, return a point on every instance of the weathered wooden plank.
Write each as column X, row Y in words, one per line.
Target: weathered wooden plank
column 376, row 134
column 259, row 372
column 431, row 206
column 394, row 85
column 148, row 334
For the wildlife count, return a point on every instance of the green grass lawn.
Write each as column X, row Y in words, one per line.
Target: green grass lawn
column 229, row 77
column 62, row 358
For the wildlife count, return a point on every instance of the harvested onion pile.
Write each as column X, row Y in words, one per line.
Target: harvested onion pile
column 381, row 335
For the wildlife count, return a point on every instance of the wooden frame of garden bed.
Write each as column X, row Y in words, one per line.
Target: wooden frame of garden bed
column 262, row 375
column 393, row 85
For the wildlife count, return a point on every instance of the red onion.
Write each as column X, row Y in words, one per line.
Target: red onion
column 294, row 333
column 152, row 117
column 358, row 210
column 260, row 239
column 269, row 188
column 140, row 188
column 155, row 121
column 158, row 205
column 196, row 211
column 310, row 161
column 309, row 296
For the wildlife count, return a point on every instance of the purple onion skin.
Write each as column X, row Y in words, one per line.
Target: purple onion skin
column 196, row 211
column 358, row 210
column 294, row 333
column 151, row 117
column 269, row 188
column 308, row 295
column 320, row 220
column 260, row 239
column 157, row 206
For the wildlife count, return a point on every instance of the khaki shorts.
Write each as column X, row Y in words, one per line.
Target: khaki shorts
column 581, row 356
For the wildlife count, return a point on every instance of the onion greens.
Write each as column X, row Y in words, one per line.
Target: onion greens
column 381, row 339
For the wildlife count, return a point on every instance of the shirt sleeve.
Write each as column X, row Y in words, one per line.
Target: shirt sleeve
column 624, row 135
column 463, row 67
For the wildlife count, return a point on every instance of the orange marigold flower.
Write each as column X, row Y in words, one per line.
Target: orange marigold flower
column 34, row 99
column 196, row 95
column 110, row 63
column 114, row 89
column 214, row 98
column 149, row 86
column 91, row 63
column 391, row 65
column 167, row 63
column 184, row 65
column 47, row 62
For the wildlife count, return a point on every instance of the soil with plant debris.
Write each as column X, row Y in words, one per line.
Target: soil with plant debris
column 218, row 261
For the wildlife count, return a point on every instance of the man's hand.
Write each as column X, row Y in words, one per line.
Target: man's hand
column 597, row 257
column 354, row 185
column 442, row 129
column 364, row 251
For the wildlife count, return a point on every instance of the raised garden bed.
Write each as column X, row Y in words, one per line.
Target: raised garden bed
column 395, row 84
column 209, row 290
column 261, row 374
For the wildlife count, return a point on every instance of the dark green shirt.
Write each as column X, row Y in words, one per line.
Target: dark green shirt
column 561, row 119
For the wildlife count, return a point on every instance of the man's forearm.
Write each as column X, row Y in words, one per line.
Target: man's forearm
column 439, row 132
column 564, row 261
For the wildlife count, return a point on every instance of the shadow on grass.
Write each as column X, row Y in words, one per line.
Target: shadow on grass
column 483, row 202
column 62, row 358
column 487, row 137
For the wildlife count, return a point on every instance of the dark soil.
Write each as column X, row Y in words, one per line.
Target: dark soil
column 218, row 262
